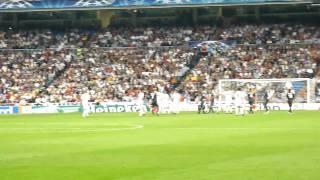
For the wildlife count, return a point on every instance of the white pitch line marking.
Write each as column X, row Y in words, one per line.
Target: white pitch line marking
column 209, row 128
column 71, row 129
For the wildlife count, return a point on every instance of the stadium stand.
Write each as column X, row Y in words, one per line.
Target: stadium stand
column 47, row 66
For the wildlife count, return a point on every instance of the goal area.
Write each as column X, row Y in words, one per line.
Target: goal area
column 278, row 87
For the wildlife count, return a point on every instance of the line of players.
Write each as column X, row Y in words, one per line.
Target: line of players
column 169, row 102
column 237, row 101
column 159, row 102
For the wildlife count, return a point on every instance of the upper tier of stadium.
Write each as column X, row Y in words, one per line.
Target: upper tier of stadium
column 159, row 36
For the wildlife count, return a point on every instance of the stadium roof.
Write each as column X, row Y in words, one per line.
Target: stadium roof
column 54, row 5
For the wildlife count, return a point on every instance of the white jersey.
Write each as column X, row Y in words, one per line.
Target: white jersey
column 239, row 97
column 240, row 101
column 159, row 97
column 166, row 98
column 140, row 97
column 270, row 94
column 175, row 104
column 228, row 98
column 176, row 97
column 142, row 108
column 85, row 98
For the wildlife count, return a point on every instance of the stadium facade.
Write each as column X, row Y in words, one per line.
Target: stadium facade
column 92, row 14
column 16, row 5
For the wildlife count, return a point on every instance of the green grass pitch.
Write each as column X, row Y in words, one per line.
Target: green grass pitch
column 277, row 146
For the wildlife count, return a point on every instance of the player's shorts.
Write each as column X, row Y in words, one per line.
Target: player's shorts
column 154, row 109
column 201, row 106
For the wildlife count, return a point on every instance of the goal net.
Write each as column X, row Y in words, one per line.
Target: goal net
column 278, row 87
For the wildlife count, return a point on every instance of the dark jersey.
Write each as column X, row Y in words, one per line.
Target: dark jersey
column 201, row 106
column 251, row 97
column 290, row 96
column 154, row 101
column 266, row 96
column 212, row 101
column 202, row 100
column 266, row 100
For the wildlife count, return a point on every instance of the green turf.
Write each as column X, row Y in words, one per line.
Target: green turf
column 169, row 147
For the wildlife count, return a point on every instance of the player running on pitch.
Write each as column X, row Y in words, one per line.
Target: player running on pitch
column 85, row 97
column 201, row 106
column 154, row 104
column 140, row 102
column 267, row 94
column 251, row 99
column 240, row 100
column 290, row 96
column 175, row 107
column 228, row 108
column 212, row 99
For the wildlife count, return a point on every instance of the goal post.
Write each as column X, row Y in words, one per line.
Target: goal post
column 301, row 86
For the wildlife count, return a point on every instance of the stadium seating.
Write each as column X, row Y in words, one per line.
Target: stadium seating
column 114, row 62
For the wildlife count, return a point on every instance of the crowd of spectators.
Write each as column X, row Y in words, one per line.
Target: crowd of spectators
column 255, row 62
column 271, row 34
column 40, row 39
column 116, row 74
column 114, row 63
column 110, row 37
column 152, row 36
column 23, row 74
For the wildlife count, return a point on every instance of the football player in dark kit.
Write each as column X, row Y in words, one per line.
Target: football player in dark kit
column 154, row 105
column 211, row 103
column 201, row 106
column 251, row 99
column 290, row 96
column 266, row 97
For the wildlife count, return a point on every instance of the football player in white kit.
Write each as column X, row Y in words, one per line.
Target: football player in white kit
column 85, row 97
column 160, row 102
column 163, row 101
column 228, row 102
column 140, row 102
column 240, row 101
column 166, row 102
column 175, row 108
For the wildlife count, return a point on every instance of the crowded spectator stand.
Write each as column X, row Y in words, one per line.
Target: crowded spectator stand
column 47, row 66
